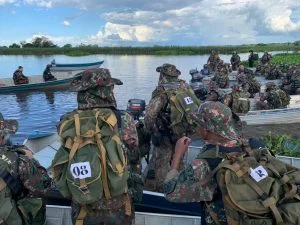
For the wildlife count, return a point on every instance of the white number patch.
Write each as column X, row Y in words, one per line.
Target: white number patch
column 188, row 100
column 259, row 173
column 81, row 170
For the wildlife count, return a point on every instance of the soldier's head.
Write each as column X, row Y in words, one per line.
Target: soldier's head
column 241, row 69
column 20, row 68
column 168, row 73
column 7, row 127
column 215, row 122
column 234, row 53
column 270, row 86
column 48, row 66
column 95, row 89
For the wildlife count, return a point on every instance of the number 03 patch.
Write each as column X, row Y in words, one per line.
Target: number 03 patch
column 81, row 170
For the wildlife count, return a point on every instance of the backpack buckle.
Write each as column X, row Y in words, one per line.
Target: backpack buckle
column 83, row 188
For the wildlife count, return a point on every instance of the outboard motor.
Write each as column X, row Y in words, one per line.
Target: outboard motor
column 136, row 107
column 200, row 90
column 196, row 75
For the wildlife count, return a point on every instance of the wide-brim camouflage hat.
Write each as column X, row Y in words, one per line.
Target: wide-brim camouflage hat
column 168, row 69
column 8, row 126
column 216, row 118
column 92, row 78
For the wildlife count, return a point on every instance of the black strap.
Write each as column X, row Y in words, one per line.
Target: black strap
column 118, row 114
column 13, row 184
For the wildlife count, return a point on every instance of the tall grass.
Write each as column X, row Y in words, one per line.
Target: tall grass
column 155, row 50
column 282, row 145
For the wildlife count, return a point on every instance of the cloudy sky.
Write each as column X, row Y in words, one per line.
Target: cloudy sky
column 148, row 23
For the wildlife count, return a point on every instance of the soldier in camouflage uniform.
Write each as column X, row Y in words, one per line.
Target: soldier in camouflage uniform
column 157, row 121
column 235, row 61
column 221, row 78
column 266, row 58
column 22, row 181
column 213, row 60
column 215, row 124
column 95, row 90
column 273, row 98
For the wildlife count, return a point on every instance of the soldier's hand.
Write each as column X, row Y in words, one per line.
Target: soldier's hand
column 28, row 153
column 182, row 145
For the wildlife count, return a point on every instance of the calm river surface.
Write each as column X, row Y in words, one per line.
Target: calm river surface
column 41, row 111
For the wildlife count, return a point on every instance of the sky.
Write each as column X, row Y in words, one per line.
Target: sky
column 150, row 22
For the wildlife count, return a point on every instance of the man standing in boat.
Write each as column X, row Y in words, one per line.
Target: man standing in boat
column 108, row 140
column 159, row 116
column 22, row 181
column 235, row 61
column 19, row 77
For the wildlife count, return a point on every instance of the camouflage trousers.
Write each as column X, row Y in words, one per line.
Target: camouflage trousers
column 107, row 212
column 214, row 211
column 159, row 165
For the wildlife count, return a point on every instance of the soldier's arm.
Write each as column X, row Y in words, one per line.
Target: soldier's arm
column 186, row 186
column 129, row 137
column 153, row 108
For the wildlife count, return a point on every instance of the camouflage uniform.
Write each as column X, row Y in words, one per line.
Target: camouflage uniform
column 251, row 59
column 272, row 98
column 19, row 77
column 194, row 184
column 213, row 60
column 157, row 122
column 221, row 78
column 266, row 58
column 95, row 90
column 23, row 182
column 235, row 61
column 47, row 75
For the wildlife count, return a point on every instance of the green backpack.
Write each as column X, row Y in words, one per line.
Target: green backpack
column 259, row 190
column 90, row 164
column 278, row 99
column 181, row 102
column 240, row 102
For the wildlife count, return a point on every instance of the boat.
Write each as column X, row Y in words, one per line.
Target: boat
column 44, row 145
column 36, row 83
column 70, row 67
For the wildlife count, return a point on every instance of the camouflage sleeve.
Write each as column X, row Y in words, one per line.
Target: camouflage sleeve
column 34, row 177
column 130, row 139
column 185, row 187
column 153, row 108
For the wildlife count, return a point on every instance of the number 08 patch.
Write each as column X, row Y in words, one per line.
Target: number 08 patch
column 81, row 170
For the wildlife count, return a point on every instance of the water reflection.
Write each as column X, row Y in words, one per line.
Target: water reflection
column 50, row 97
column 22, row 100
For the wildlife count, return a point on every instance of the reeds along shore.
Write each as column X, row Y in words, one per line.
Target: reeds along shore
column 155, row 50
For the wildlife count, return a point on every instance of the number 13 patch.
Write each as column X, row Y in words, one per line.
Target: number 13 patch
column 188, row 100
column 81, row 170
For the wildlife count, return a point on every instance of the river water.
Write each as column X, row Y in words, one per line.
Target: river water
column 41, row 110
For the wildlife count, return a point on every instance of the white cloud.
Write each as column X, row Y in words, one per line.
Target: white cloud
column 184, row 22
column 40, row 3
column 13, row 12
column 66, row 23
column 4, row 2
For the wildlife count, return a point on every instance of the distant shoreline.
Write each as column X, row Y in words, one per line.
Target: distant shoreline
column 155, row 50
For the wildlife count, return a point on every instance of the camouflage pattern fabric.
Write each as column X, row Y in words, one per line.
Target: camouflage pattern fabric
column 235, row 61
column 108, row 212
column 221, row 79
column 168, row 73
column 95, row 88
column 266, row 58
column 34, row 180
column 217, row 118
column 20, row 78
column 159, row 165
column 185, row 186
column 213, row 61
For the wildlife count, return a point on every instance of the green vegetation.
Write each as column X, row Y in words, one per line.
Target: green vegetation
column 282, row 145
column 285, row 58
column 44, row 46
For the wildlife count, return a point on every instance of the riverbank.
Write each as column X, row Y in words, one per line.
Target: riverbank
column 155, row 50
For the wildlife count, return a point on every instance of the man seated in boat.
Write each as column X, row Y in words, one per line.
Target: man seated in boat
column 47, row 75
column 19, row 77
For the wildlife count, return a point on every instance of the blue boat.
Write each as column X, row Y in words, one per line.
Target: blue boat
column 69, row 67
